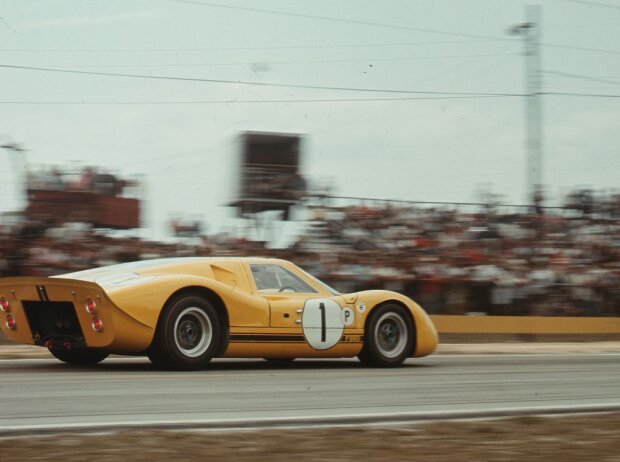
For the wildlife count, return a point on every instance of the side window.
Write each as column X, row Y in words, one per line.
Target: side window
column 271, row 279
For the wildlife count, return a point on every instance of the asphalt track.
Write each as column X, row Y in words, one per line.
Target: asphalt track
column 40, row 396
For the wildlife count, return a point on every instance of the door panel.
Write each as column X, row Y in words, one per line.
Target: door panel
column 286, row 310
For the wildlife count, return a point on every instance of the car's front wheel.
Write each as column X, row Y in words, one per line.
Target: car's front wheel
column 188, row 334
column 388, row 338
column 79, row 357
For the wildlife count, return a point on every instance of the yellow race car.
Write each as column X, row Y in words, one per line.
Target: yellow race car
column 182, row 312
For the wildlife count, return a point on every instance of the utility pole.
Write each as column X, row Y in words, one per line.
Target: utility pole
column 15, row 150
column 530, row 31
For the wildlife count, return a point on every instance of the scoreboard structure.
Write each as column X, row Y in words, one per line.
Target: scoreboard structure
column 269, row 177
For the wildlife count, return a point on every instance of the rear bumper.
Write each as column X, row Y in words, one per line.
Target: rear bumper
column 52, row 312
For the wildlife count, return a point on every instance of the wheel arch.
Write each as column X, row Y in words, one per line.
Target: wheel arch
column 409, row 315
column 218, row 304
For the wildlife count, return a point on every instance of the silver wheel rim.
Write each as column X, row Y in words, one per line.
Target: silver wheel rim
column 193, row 332
column 391, row 335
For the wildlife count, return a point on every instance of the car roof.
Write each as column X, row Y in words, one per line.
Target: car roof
column 144, row 265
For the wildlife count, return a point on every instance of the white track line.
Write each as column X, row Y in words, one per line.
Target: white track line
column 301, row 421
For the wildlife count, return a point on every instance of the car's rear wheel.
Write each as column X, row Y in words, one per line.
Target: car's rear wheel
column 79, row 357
column 388, row 338
column 188, row 334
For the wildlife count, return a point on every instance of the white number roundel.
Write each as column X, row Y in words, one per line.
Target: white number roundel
column 322, row 323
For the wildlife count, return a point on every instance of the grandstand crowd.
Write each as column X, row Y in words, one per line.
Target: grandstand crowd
column 492, row 260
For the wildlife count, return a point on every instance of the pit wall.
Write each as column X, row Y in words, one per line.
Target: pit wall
column 458, row 329
column 448, row 324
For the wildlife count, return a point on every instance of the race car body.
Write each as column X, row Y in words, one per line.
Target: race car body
column 182, row 312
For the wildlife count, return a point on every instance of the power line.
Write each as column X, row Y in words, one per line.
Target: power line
column 578, row 48
column 412, row 202
column 289, row 47
column 583, row 77
column 591, row 4
column 254, row 48
column 584, row 95
column 6, row 24
column 332, row 19
column 287, row 101
column 309, row 61
column 234, row 101
column 244, row 82
column 438, row 94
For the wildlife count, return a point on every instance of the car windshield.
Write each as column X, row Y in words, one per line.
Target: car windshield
column 273, row 278
column 329, row 289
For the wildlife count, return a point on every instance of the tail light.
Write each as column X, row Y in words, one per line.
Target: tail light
column 97, row 325
column 4, row 305
column 90, row 306
column 10, row 322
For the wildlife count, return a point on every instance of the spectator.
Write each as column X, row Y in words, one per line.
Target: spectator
column 451, row 261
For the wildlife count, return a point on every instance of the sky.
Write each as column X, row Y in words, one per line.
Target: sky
column 448, row 122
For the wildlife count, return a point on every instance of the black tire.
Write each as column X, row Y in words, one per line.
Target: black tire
column 79, row 357
column 188, row 334
column 388, row 337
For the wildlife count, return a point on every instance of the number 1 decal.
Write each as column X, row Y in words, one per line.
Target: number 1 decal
column 323, row 322
column 323, row 326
